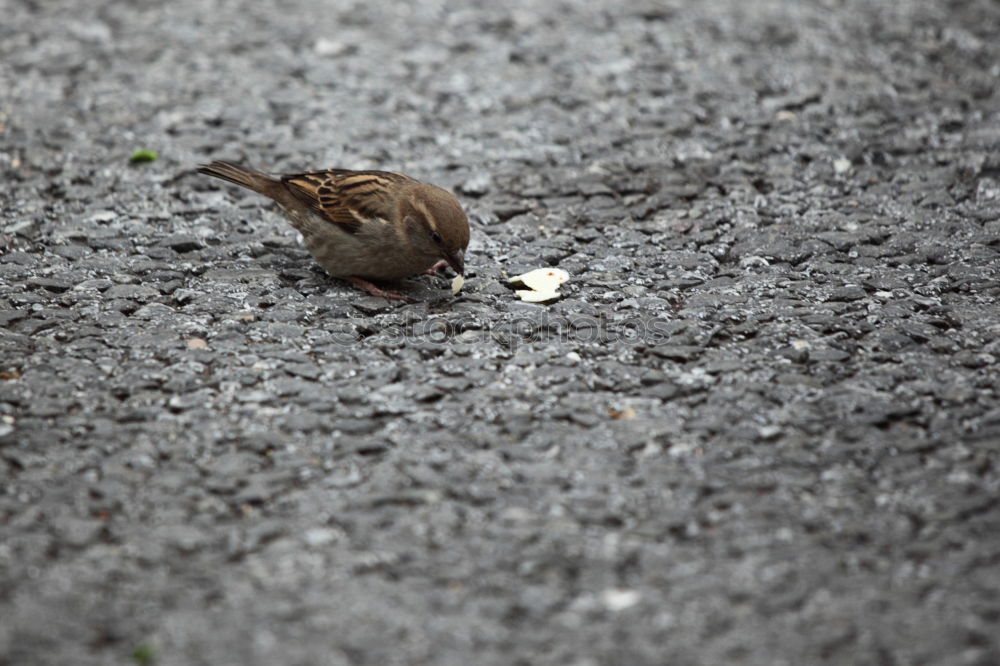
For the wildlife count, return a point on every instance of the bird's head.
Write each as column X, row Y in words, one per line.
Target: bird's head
column 436, row 225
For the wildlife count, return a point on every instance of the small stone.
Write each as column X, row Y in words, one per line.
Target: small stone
column 794, row 354
column 476, row 185
column 50, row 284
column 304, row 370
column 768, row 432
column 973, row 360
column 95, row 284
column 72, row 252
column 625, row 413
column 616, row 600
column 182, row 243
column 136, row 292
column 319, row 536
column 102, row 216
column 680, row 353
column 79, row 532
column 849, row 293
column 331, row 47
column 153, row 311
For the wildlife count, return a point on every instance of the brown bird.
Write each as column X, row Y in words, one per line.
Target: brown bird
column 365, row 225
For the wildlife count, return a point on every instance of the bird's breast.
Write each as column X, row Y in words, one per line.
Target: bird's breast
column 375, row 251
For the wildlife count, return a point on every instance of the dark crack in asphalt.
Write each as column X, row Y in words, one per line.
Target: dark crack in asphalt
column 760, row 427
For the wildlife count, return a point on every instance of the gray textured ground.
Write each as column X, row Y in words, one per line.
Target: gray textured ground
column 762, row 426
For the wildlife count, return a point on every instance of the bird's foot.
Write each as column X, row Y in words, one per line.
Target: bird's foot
column 436, row 267
column 375, row 290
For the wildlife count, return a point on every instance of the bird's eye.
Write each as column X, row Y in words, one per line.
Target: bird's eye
column 436, row 237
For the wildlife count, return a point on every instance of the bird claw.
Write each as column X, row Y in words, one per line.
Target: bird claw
column 379, row 292
column 436, row 267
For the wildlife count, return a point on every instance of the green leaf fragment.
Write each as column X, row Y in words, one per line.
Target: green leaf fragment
column 143, row 654
column 142, row 155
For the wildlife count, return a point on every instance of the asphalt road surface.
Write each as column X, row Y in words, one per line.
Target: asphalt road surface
column 761, row 426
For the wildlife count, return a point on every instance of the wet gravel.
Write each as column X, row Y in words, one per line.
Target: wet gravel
column 760, row 427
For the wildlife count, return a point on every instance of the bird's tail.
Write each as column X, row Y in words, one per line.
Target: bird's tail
column 244, row 177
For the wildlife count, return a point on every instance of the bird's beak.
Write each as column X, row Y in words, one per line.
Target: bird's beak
column 457, row 261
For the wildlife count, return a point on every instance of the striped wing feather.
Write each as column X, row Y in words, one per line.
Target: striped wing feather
column 346, row 198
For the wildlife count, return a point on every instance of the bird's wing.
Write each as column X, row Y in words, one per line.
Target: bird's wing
column 346, row 198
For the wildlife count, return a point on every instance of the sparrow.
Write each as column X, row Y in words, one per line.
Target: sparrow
column 364, row 225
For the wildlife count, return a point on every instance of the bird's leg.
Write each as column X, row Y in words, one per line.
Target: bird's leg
column 375, row 290
column 436, row 267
